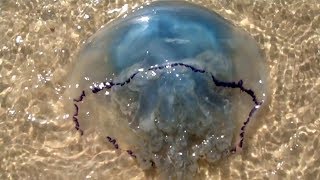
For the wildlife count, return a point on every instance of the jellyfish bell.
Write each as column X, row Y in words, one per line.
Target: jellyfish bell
column 171, row 84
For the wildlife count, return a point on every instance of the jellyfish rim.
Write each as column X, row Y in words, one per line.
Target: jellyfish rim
column 225, row 84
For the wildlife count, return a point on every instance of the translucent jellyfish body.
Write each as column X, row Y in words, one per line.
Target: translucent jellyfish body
column 172, row 84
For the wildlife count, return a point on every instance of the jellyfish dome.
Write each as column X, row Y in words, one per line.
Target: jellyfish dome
column 172, row 84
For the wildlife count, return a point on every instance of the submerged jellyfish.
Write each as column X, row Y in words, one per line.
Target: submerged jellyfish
column 172, row 84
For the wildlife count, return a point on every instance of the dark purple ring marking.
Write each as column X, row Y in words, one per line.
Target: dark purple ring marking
column 131, row 154
column 239, row 84
column 75, row 119
column 113, row 141
column 80, row 97
column 234, row 85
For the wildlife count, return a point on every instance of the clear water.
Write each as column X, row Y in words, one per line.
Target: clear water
column 39, row 44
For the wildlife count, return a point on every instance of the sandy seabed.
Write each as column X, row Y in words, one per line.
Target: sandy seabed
column 40, row 40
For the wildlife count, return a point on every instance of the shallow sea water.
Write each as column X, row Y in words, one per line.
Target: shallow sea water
column 40, row 40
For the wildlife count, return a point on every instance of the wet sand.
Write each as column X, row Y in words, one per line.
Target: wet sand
column 39, row 43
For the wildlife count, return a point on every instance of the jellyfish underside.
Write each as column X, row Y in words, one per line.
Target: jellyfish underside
column 172, row 84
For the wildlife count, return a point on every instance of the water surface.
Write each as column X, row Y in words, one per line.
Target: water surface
column 39, row 44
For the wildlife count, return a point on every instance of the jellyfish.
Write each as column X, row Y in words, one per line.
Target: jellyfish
column 172, row 84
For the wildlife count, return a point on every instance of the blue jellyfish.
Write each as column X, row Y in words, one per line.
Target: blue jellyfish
column 172, row 84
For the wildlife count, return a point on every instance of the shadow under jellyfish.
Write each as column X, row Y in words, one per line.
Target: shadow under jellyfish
column 172, row 84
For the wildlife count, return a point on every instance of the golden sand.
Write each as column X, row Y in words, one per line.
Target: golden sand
column 39, row 42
